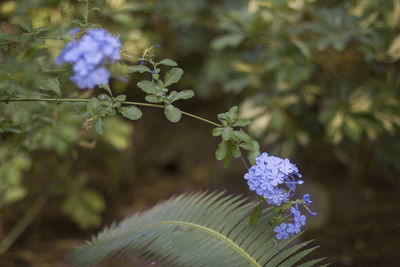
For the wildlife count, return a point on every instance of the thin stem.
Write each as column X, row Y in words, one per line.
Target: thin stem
column 22, row 224
column 244, row 162
column 83, row 100
column 200, row 118
column 86, row 12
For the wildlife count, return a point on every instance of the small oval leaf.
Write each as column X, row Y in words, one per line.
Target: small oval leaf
column 168, row 62
column 173, row 76
column 138, row 68
column 242, row 136
column 185, row 94
column 99, row 126
column 172, row 113
column 131, row 112
column 154, row 99
column 221, row 150
column 227, row 133
column 147, row 87
column 50, row 84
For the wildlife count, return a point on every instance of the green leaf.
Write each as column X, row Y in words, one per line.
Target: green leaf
column 154, row 99
column 147, row 87
column 255, row 215
column 121, row 98
column 227, row 133
column 252, row 155
column 252, row 145
column 138, row 68
column 217, row 131
column 131, row 112
column 168, row 62
column 99, row 126
column 93, row 105
column 236, row 152
column 50, row 84
column 228, row 40
column 221, row 151
column 222, row 117
column 85, row 208
column 106, row 87
column 26, row 26
column 241, row 123
column 200, row 229
column 172, row 113
column 185, row 94
column 173, row 76
column 228, row 156
column 242, row 136
column 233, row 113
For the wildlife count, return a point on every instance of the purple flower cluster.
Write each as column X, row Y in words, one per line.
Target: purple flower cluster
column 89, row 56
column 294, row 227
column 274, row 179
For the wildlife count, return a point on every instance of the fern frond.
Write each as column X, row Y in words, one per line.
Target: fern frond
column 201, row 229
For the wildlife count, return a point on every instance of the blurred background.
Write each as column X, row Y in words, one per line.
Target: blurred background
column 319, row 78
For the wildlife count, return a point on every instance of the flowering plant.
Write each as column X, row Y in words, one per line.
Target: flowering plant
column 93, row 54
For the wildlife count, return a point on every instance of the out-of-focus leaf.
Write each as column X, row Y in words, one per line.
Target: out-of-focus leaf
column 50, row 84
column 228, row 40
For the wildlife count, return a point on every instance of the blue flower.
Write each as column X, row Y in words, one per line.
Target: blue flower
column 307, row 200
column 273, row 178
column 154, row 72
column 295, row 211
column 281, row 231
column 293, row 228
column 276, row 197
column 89, row 56
column 298, row 218
column 90, row 79
column 74, row 31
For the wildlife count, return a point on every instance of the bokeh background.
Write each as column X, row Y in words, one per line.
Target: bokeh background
column 319, row 78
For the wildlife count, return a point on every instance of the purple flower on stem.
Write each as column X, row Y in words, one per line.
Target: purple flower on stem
column 293, row 229
column 307, row 200
column 298, row 218
column 275, row 179
column 281, row 231
column 89, row 56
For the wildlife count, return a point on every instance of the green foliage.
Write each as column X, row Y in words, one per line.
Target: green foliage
column 233, row 140
column 131, row 112
column 84, row 205
column 306, row 72
column 201, row 229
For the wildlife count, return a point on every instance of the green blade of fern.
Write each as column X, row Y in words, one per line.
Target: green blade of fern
column 286, row 253
column 311, row 263
column 201, row 229
column 297, row 257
